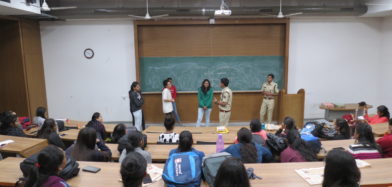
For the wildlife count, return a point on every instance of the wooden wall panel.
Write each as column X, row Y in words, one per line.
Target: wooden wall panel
column 292, row 105
column 13, row 91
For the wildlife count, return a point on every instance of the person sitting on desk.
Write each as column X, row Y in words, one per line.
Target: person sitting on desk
column 381, row 117
column 224, row 103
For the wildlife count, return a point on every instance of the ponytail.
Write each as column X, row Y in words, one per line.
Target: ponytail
column 186, row 141
column 134, row 139
column 247, row 147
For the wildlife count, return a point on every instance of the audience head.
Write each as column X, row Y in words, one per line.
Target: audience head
column 362, row 104
column 205, row 86
column 87, row 139
column 232, row 173
column 97, row 117
column 170, row 79
column 295, row 141
column 247, row 149
column 255, row 125
column 186, row 141
column 169, row 123
column 135, row 140
column 364, row 135
column 383, row 111
column 289, row 123
column 133, row 170
column 341, row 126
column 340, row 170
column 8, row 119
column 118, row 132
column 50, row 161
column 270, row 77
column 48, row 127
column 166, row 84
column 224, row 82
column 41, row 112
column 135, row 86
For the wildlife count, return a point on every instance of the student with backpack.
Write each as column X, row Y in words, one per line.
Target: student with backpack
column 386, row 142
column 365, row 146
column 183, row 167
column 49, row 131
column 51, row 160
column 340, row 170
column 133, row 170
column 232, row 173
column 259, row 136
column 134, row 144
column 246, row 150
column 169, row 136
column 297, row 149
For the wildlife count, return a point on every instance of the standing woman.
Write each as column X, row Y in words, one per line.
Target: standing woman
column 136, row 103
column 173, row 91
column 204, row 95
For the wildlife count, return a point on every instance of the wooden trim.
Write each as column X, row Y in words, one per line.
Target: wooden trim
column 195, row 92
column 136, row 44
column 286, row 57
column 217, row 22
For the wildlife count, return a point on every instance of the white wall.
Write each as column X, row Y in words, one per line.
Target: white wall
column 386, row 60
column 335, row 60
column 77, row 87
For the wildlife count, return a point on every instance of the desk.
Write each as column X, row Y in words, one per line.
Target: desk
column 380, row 129
column 31, row 132
column 113, row 149
column 69, row 135
column 24, row 147
column 10, row 172
column 152, row 138
column 80, row 124
column 178, row 129
column 337, row 112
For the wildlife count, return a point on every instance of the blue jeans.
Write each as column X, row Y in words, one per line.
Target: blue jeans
column 175, row 113
column 200, row 113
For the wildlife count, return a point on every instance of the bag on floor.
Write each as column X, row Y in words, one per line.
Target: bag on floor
column 182, row 169
column 211, row 164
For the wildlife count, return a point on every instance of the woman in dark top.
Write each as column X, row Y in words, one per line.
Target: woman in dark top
column 297, row 149
column 288, row 124
column 232, row 173
column 118, row 132
column 84, row 148
column 97, row 123
column 8, row 124
column 136, row 103
column 340, row 170
column 49, row 131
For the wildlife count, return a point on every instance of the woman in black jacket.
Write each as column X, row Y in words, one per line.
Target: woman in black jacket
column 49, row 131
column 136, row 103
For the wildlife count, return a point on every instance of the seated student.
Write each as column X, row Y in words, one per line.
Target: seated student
column 381, row 117
column 185, row 145
column 133, row 170
column 232, row 173
column 49, row 131
column 248, row 151
column 340, row 170
column 97, row 123
column 51, row 160
column 84, row 148
column 288, row 124
column 386, row 142
column 135, row 141
column 297, row 149
column 259, row 136
column 40, row 116
column 8, row 124
column 342, row 130
column 365, row 146
column 118, row 132
column 169, row 136
column 123, row 141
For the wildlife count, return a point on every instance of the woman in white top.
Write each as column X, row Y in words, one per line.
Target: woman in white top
column 169, row 136
column 167, row 99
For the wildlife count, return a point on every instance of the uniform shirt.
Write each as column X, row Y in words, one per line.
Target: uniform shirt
column 270, row 88
column 227, row 97
column 167, row 107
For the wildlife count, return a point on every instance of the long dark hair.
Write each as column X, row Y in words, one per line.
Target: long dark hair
column 48, row 127
column 232, row 173
column 186, row 141
column 289, row 123
column 255, row 125
column 134, row 141
column 295, row 141
column 204, row 89
column 340, row 170
column 40, row 112
column 8, row 119
column 134, row 84
column 365, row 135
column 49, row 161
column 344, row 129
column 118, row 132
column 87, row 138
column 247, row 148
column 133, row 170
column 384, row 111
column 95, row 116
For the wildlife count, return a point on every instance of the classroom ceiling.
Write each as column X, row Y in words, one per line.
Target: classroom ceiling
column 194, row 8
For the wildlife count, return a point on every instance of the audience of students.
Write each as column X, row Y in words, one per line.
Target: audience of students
column 118, row 132
column 259, row 136
column 49, row 131
column 365, row 146
column 248, row 151
column 169, row 136
column 386, row 142
column 381, row 117
column 9, row 124
column 134, row 144
column 204, row 95
column 97, row 123
column 288, row 124
column 185, row 145
column 133, row 170
column 40, row 116
column 232, row 173
column 85, row 147
column 51, row 160
column 340, row 170
column 297, row 150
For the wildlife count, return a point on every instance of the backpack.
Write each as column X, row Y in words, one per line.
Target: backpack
column 70, row 170
column 211, row 164
column 312, row 141
column 182, row 169
column 276, row 143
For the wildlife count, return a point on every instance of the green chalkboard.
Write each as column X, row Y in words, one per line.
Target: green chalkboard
column 244, row 72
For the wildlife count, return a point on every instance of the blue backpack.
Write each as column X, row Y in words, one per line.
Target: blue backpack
column 182, row 169
column 312, row 141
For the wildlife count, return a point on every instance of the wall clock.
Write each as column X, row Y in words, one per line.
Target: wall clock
column 88, row 53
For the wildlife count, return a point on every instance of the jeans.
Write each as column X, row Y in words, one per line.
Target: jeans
column 138, row 119
column 200, row 114
column 178, row 120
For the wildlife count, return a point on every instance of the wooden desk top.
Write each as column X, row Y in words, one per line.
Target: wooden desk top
column 199, row 130
column 152, row 138
column 80, row 124
column 115, row 153
column 31, row 132
column 23, row 146
column 380, row 129
column 10, row 172
column 345, row 107
column 69, row 135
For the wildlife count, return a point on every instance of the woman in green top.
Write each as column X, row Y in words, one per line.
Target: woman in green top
column 205, row 95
